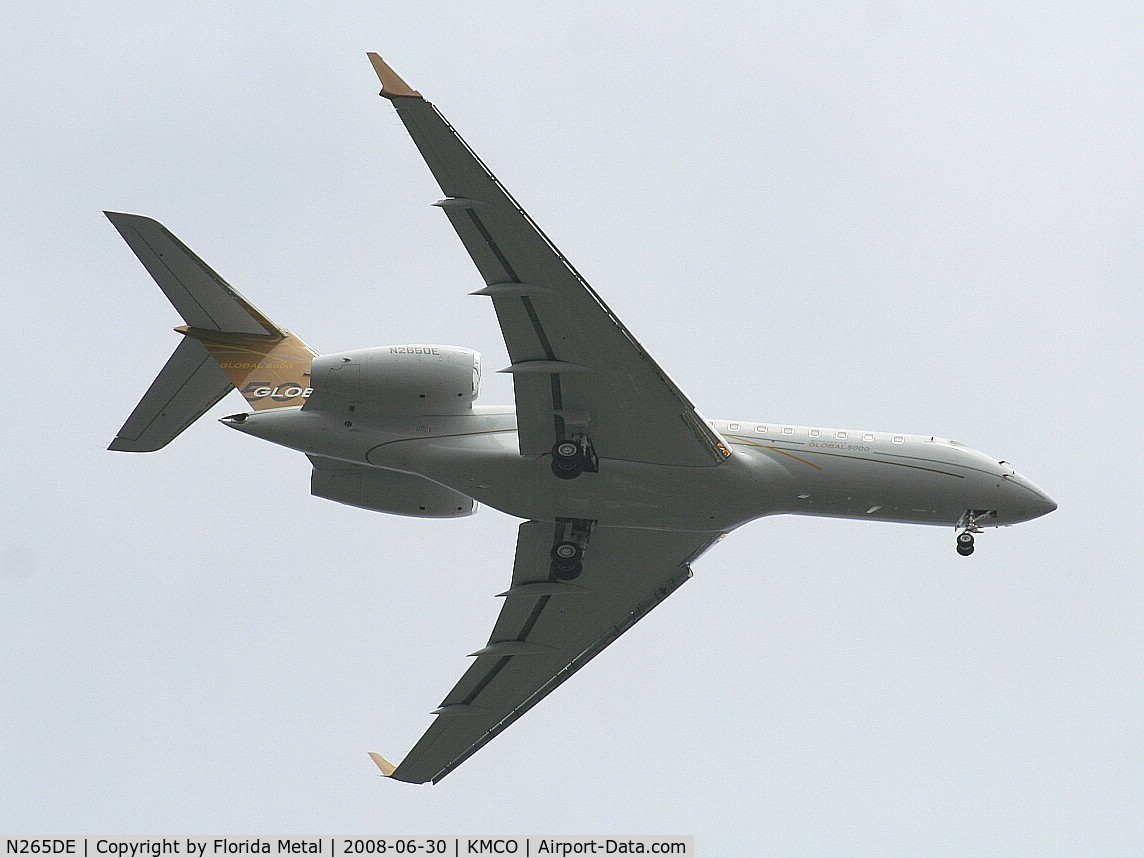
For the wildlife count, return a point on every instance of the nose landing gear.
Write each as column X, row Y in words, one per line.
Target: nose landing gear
column 967, row 525
column 965, row 543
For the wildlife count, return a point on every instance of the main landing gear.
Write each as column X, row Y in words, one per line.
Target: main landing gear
column 567, row 560
column 571, row 539
column 967, row 525
column 571, row 458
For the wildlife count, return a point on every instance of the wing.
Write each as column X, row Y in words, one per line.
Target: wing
column 577, row 371
column 548, row 629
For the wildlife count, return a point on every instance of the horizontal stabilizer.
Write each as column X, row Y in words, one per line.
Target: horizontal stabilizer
column 203, row 299
column 189, row 384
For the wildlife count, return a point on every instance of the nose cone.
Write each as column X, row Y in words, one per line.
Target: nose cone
column 1025, row 499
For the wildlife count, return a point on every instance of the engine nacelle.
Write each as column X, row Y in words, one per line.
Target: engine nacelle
column 402, row 379
column 390, row 491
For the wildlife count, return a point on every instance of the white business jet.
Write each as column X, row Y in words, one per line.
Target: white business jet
column 622, row 484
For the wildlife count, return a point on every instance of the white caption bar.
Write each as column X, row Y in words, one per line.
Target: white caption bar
column 343, row 847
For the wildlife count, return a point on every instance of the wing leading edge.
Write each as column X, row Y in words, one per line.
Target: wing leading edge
column 577, row 371
column 548, row 629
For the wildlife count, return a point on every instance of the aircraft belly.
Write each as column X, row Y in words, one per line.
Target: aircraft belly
column 488, row 468
column 478, row 456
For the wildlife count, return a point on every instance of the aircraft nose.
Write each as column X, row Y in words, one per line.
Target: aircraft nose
column 1047, row 505
column 1030, row 501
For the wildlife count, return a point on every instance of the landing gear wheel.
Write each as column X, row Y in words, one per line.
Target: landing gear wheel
column 566, row 450
column 567, row 460
column 567, row 560
column 567, row 471
column 567, row 552
column 569, row 573
column 965, row 543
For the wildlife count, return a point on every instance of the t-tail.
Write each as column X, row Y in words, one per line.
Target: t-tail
column 227, row 343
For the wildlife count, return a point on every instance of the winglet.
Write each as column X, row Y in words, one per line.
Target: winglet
column 387, row 768
column 391, row 83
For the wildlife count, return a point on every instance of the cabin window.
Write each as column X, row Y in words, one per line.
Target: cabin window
column 898, row 439
column 788, row 430
column 840, row 435
column 867, row 437
column 734, row 427
column 760, row 430
column 814, row 433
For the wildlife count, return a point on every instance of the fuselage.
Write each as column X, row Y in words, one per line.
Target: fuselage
column 773, row 469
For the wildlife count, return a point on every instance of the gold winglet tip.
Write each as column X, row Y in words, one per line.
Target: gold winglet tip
column 392, row 85
column 387, row 768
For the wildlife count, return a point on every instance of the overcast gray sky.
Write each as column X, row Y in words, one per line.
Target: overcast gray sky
column 863, row 214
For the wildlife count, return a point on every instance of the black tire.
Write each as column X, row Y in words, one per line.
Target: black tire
column 567, row 472
column 965, row 550
column 567, row 572
column 964, row 539
column 567, row 560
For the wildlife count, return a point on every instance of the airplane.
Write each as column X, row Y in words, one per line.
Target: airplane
column 621, row 483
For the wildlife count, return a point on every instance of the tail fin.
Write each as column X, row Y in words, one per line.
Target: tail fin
column 227, row 343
